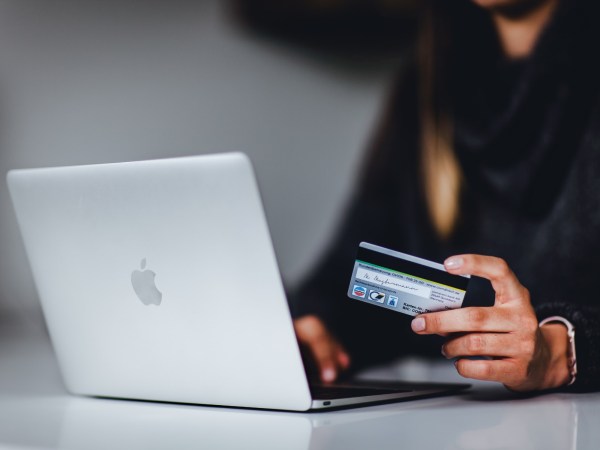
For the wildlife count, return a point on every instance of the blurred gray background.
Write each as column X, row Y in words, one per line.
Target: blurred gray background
column 103, row 81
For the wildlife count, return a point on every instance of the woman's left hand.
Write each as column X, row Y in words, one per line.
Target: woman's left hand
column 524, row 356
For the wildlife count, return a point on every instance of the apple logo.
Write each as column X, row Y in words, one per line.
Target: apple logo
column 144, row 285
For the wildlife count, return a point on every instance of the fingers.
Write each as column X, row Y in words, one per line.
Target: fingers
column 505, row 371
column 508, row 332
column 327, row 354
column 330, row 359
column 464, row 320
column 504, row 281
column 484, row 344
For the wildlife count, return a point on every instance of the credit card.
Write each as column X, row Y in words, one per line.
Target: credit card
column 404, row 283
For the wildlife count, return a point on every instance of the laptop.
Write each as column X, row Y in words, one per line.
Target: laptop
column 158, row 281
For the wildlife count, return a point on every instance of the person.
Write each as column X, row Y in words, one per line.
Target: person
column 488, row 158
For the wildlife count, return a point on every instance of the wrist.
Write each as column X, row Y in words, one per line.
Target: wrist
column 558, row 372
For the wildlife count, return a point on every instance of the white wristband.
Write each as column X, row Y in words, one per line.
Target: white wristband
column 571, row 355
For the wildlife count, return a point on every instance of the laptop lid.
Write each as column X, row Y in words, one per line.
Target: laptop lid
column 158, row 281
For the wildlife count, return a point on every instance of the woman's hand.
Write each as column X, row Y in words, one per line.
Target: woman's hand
column 326, row 352
column 525, row 357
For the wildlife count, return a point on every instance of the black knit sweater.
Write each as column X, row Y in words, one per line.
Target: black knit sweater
column 527, row 135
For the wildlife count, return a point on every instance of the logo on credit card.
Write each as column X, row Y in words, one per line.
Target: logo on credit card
column 359, row 291
column 377, row 296
column 382, row 277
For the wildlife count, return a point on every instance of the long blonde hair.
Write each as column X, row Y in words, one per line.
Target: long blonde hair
column 440, row 170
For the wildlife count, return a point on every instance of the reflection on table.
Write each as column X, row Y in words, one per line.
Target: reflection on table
column 36, row 412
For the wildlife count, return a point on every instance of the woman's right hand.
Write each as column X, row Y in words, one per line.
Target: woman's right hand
column 326, row 352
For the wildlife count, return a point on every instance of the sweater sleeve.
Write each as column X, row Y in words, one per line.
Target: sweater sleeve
column 586, row 320
column 365, row 331
column 382, row 211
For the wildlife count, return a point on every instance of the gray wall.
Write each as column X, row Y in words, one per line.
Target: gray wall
column 104, row 81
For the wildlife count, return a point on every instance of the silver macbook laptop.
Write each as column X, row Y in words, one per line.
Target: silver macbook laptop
column 158, row 281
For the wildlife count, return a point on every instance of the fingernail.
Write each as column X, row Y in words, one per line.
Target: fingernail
column 418, row 324
column 443, row 352
column 453, row 262
column 344, row 360
column 328, row 375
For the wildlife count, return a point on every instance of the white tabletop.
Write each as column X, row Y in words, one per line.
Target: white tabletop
column 36, row 412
